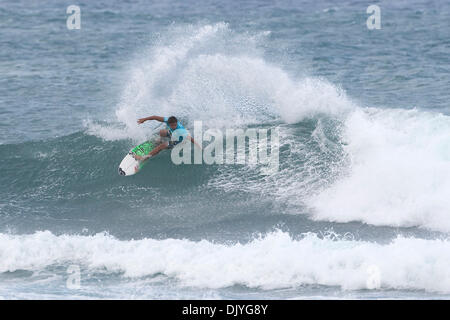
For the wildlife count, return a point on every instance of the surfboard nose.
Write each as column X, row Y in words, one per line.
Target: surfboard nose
column 121, row 172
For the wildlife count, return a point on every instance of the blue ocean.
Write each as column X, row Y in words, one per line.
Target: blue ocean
column 359, row 207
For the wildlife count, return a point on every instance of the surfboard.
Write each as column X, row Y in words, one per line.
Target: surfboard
column 130, row 165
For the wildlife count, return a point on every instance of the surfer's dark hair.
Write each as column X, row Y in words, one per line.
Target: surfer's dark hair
column 172, row 119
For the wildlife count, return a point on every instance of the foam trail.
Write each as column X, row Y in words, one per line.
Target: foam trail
column 273, row 261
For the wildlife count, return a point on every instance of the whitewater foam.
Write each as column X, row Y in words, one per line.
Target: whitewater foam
column 399, row 173
column 268, row 262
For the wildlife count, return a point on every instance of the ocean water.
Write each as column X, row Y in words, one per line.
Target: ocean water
column 360, row 205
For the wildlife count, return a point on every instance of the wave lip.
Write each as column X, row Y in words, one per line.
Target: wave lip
column 270, row 262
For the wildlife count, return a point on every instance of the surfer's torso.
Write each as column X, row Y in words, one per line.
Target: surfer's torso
column 175, row 135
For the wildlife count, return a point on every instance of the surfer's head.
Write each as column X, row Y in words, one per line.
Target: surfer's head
column 173, row 122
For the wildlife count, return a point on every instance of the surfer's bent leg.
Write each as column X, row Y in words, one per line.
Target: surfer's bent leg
column 163, row 133
column 160, row 147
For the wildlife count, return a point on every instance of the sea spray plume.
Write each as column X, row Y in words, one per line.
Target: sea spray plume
column 211, row 72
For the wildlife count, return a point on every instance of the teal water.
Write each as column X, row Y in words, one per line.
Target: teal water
column 361, row 194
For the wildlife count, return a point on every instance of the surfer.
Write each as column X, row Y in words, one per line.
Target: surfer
column 175, row 132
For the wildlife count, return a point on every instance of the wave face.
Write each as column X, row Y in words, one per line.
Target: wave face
column 211, row 74
column 359, row 207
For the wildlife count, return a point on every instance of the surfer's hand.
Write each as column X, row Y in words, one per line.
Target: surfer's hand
column 195, row 142
column 142, row 120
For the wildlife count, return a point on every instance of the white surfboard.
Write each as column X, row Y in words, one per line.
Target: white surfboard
column 129, row 165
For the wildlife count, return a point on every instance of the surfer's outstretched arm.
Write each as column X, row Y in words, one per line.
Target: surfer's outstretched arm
column 157, row 118
column 194, row 142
